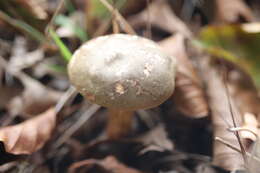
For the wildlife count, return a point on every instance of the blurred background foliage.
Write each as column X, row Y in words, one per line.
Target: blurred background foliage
column 236, row 43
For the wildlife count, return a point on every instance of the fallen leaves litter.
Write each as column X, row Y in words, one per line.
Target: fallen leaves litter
column 235, row 43
column 108, row 165
column 222, row 120
column 244, row 92
column 35, row 99
column 36, row 7
column 189, row 95
column 232, row 11
column 161, row 16
column 29, row 136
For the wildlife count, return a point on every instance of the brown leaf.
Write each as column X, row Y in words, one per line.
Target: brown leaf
column 161, row 16
column 10, row 87
column 222, row 120
column 231, row 11
column 189, row 95
column 156, row 139
column 5, row 46
column 249, row 123
column 108, row 165
column 29, row 136
column 246, row 97
column 35, row 99
column 36, row 7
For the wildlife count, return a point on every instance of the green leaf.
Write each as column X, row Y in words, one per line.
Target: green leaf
column 57, row 68
column 236, row 43
column 65, row 52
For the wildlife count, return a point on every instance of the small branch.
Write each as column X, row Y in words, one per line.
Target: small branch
column 82, row 120
column 237, row 149
column 124, row 24
column 148, row 23
column 114, row 21
column 50, row 24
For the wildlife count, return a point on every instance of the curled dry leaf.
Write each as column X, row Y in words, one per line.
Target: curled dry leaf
column 189, row 95
column 29, row 136
column 249, row 123
column 108, row 165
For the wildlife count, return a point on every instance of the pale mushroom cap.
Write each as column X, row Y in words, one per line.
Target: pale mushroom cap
column 123, row 72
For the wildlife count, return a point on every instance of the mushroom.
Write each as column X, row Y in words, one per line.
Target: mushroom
column 123, row 73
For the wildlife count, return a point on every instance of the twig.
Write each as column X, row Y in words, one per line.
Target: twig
column 114, row 21
column 65, row 99
column 148, row 23
column 84, row 118
column 124, row 24
column 237, row 129
column 57, row 11
column 236, row 148
column 218, row 101
column 233, row 116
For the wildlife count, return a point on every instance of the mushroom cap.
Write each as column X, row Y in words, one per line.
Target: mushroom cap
column 123, row 71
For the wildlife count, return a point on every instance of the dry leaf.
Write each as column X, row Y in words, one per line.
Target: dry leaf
column 244, row 92
column 28, row 59
column 253, row 161
column 29, row 136
column 108, row 165
column 250, row 123
column 35, row 99
column 8, row 93
column 230, row 11
column 161, row 16
column 21, row 58
column 155, row 140
column 37, row 7
column 223, row 156
column 10, row 87
column 189, row 95
column 5, row 46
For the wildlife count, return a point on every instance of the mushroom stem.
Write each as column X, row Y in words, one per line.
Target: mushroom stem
column 119, row 123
